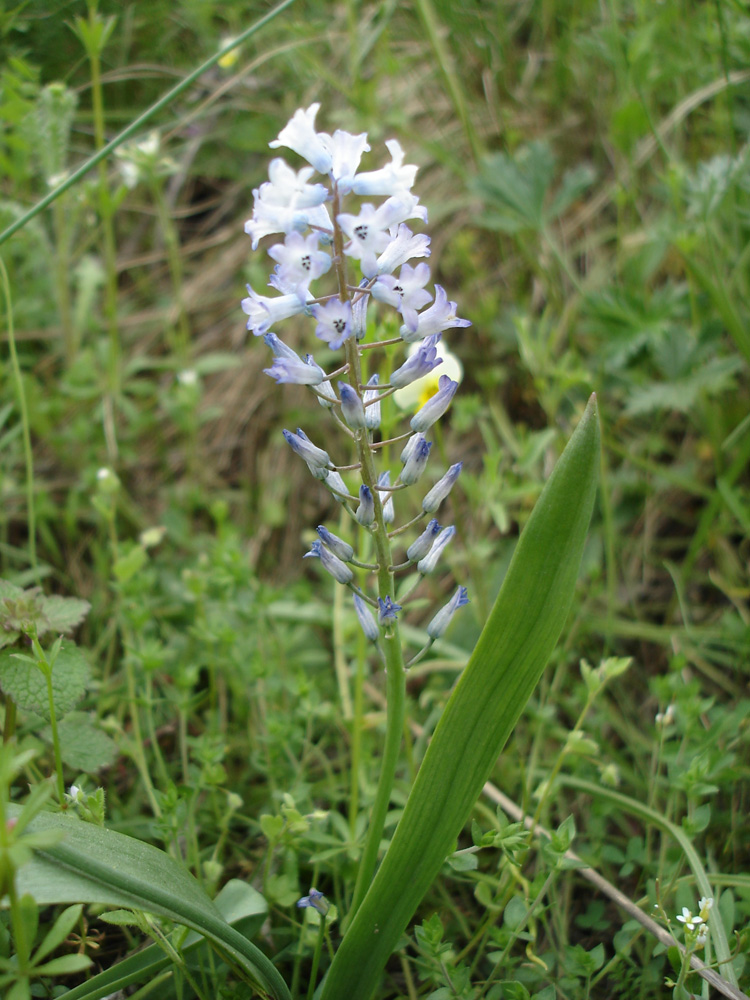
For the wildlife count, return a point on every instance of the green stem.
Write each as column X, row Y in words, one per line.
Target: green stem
column 140, row 121
column 46, row 668
column 25, row 427
column 55, row 737
column 316, row 957
column 394, row 659
column 110, row 252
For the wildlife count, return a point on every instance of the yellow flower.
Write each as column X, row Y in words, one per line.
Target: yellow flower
column 228, row 60
column 416, row 394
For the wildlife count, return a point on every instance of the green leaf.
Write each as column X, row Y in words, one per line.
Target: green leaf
column 504, row 668
column 64, row 613
column 241, row 906
column 28, row 688
column 95, row 865
column 59, row 931
column 83, row 746
column 514, row 188
column 66, row 965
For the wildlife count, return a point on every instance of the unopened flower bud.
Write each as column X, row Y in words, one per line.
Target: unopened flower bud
column 337, row 545
column 371, row 402
column 441, row 489
column 366, row 619
column 422, row 545
column 442, row 619
column 436, row 406
column 416, row 462
column 429, row 562
column 386, row 497
column 352, row 409
column 338, row 569
column 365, row 513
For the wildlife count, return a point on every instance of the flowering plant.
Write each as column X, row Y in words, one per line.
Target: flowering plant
column 375, row 242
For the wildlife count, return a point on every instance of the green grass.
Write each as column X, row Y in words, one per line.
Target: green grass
column 587, row 174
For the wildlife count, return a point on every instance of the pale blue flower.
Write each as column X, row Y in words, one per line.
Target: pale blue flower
column 367, row 235
column 419, row 364
column 428, row 563
column 422, row 545
column 371, row 400
column 334, row 322
column 296, row 371
column 316, row 901
column 387, row 610
column 393, row 179
column 404, row 245
column 299, row 134
column 406, row 293
column 346, row 150
column 289, row 187
column 440, row 316
column 287, row 203
column 337, row 545
column 366, row 619
column 365, row 513
column 352, row 409
column 436, row 406
column 299, row 262
column 442, row 619
column 338, row 569
column 441, row 489
column 416, row 461
column 264, row 311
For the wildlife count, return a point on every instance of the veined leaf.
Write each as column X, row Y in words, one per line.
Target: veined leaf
column 95, row 865
column 510, row 655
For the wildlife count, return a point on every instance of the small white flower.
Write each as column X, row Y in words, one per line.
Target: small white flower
column 189, row 376
column 103, row 474
column 666, row 717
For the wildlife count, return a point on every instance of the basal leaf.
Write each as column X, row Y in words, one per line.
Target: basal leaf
column 96, row 865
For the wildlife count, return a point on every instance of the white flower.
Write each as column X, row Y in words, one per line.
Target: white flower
column 687, row 918
column 393, row 179
column 188, row 376
column 417, row 393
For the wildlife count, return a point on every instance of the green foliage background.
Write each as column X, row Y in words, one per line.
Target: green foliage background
column 587, row 173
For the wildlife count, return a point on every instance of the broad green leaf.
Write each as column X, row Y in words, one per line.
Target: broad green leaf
column 64, row 613
column 95, row 865
column 25, row 683
column 504, row 668
column 241, row 906
column 82, row 745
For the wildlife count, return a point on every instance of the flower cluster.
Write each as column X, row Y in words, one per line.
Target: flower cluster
column 374, row 261
column 696, row 925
